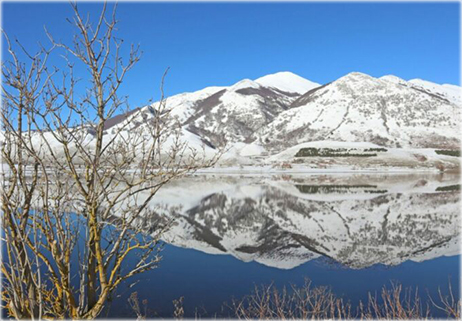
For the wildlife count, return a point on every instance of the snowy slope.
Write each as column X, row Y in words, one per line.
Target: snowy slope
column 182, row 105
column 450, row 92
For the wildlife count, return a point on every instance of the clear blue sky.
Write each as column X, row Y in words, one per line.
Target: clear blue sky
column 209, row 44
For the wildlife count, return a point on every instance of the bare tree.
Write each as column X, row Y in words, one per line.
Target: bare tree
column 76, row 187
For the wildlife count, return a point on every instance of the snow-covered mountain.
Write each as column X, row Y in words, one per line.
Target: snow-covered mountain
column 357, row 220
column 227, row 115
column 361, row 108
column 233, row 114
column 281, row 110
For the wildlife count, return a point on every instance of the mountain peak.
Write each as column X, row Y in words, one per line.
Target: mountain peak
column 394, row 79
column 358, row 81
column 357, row 75
column 287, row 81
column 244, row 83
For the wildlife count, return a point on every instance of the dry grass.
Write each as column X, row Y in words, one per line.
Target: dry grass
column 317, row 303
column 394, row 304
column 320, row 303
column 306, row 302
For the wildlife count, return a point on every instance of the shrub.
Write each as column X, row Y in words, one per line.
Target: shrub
column 448, row 152
column 331, row 152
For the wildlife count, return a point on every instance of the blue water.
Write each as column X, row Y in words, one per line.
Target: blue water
column 207, row 281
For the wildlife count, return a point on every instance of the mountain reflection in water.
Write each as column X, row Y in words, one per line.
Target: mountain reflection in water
column 285, row 227
column 284, row 221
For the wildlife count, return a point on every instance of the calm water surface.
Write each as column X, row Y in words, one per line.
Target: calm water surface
column 352, row 232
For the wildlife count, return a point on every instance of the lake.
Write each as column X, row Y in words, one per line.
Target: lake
column 352, row 232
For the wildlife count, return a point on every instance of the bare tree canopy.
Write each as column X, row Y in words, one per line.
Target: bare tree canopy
column 74, row 191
